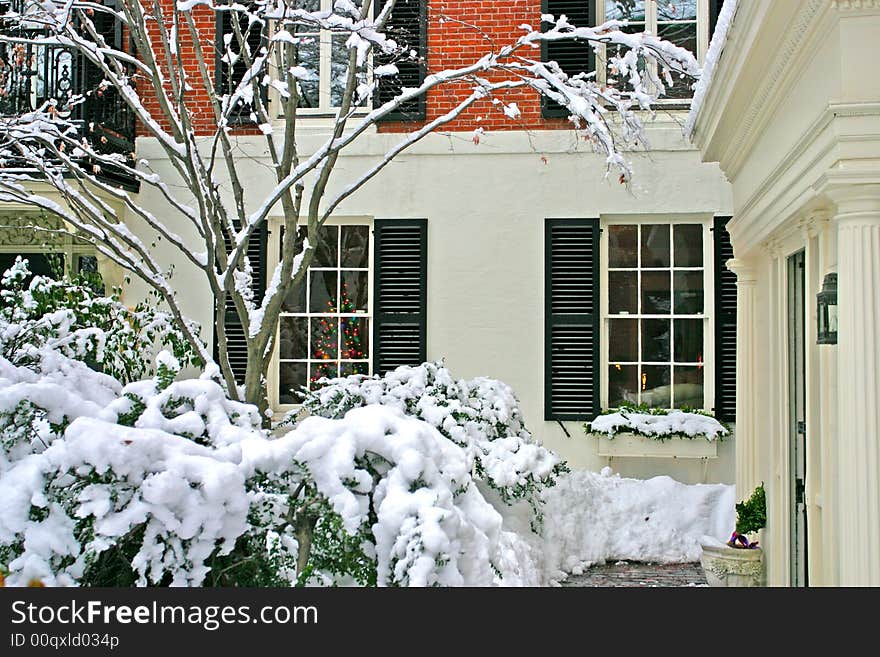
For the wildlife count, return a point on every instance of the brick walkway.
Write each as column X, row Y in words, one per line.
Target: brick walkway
column 635, row 574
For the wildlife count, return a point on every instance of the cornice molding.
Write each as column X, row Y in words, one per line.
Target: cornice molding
column 855, row 6
column 790, row 57
column 795, row 176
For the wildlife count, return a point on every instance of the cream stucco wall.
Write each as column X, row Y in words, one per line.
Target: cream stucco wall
column 486, row 205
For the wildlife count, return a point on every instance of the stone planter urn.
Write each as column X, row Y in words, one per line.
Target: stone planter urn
column 727, row 566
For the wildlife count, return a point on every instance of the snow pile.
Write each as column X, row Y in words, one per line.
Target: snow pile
column 481, row 416
column 596, row 517
column 661, row 426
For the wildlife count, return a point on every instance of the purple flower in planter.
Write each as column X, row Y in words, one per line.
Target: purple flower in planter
column 741, row 541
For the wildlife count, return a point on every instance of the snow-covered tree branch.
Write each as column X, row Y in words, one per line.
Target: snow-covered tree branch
column 159, row 60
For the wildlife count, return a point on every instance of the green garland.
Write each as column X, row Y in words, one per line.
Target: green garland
column 648, row 410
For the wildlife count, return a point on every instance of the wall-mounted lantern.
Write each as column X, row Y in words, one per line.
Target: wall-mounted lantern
column 826, row 306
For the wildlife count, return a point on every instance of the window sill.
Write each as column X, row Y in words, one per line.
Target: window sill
column 629, row 445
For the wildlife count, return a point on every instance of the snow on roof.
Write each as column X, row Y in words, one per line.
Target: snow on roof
column 716, row 47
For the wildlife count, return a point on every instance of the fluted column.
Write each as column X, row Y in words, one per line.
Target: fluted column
column 858, row 356
column 747, row 439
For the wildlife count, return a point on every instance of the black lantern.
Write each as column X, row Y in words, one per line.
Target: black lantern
column 826, row 306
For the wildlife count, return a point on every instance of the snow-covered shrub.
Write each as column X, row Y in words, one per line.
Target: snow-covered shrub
column 171, row 483
column 71, row 317
column 405, row 492
column 481, row 416
column 145, row 489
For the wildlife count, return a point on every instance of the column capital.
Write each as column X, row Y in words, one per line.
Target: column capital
column 813, row 221
column 746, row 270
column 772, row 247
column 856, row 197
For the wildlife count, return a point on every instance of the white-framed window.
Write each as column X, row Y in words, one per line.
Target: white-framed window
column 683, row 22
column 325, row 57
column 325, row 328
column 656, row 313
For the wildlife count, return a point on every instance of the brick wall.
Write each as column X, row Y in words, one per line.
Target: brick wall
column 459, row 32
column 199, row 101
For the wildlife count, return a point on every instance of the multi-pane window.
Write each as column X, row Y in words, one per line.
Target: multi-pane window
column 655, row 315
column 325, row 58
column 325, row 324
column 683, row 22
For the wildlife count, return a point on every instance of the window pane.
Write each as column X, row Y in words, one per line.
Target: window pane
column 623, row 340
column 355, row 290
column 88, row 264
column 325, row 338
column 688, row 245
column 622, row 245
column 676, row 10
column 681, row 34
column 623, row 292
column 355, row 338
column 688, row 386
column 322, row 289
column 623, row 384
column 618, row 79
column 684, row 35
column 317, row 371
column 339, row 70
column 655, row 340
column 295, row 301
column 307, row 56
column 688, row 292
column 87, row 268
column 355, row 246
column 291, row 376
column 327, row 251
column 632, row 10
column 655, row 385
column 689, row 340
column 293, row 338
column 347, row 369
column 655, row 245
column 655, row 293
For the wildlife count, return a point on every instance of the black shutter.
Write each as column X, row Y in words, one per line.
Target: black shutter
column 91, row 76
column 572, row 56
column 408, row 26
column 571, row 319
column 399, row 293
column 725, row 325
column 229, row 77
column 236, row 341
column 714, row 9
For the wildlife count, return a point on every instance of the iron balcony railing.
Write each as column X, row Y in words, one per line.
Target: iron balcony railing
column 33, row 73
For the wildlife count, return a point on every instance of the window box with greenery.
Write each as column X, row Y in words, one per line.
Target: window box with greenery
column 640, row 431
column 739, row 562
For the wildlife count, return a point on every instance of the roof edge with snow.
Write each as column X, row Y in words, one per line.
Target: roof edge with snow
column 716, row 47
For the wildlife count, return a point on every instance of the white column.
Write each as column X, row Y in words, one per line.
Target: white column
column 858, row 360
column 747, row 438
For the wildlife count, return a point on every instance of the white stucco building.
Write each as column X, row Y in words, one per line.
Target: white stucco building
column 793, row 118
